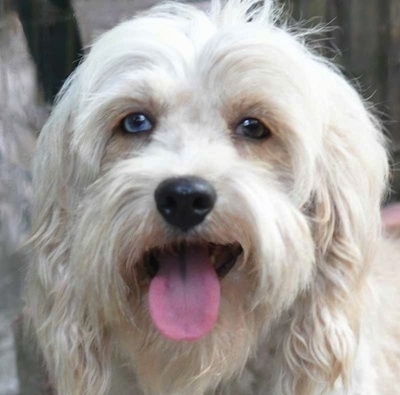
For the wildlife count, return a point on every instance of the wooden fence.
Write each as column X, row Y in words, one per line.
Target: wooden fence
column 368, row 36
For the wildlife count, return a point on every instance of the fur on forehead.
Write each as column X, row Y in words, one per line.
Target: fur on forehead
column 184, row 42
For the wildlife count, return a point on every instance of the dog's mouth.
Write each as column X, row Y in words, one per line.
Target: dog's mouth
column 223, row 257
column 184, row 292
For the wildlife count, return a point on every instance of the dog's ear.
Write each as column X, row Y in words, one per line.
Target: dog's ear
column 48, row 227
column 51, row 164
column 48, row 293
column 351, row 178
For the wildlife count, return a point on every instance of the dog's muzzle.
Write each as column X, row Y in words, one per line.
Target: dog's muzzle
column 185, row 290
column 184, row 202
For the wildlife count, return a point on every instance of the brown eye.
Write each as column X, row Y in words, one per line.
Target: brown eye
column 253, row 128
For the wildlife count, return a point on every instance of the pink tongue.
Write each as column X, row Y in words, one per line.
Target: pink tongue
column 184, row 295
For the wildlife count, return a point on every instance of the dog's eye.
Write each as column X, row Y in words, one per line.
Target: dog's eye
column 136, row 123
column 253, row 128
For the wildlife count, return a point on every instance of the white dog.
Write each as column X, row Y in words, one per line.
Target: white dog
column 206, row 217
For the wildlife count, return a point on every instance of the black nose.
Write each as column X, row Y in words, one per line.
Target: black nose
column 184, row 202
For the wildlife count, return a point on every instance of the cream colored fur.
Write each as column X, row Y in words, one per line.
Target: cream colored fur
column 312, row 307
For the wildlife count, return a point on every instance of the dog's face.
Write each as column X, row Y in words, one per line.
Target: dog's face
column 195, row 173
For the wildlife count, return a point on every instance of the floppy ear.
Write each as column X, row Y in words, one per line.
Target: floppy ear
column 51, row 168
column 49, row 293
column 321, row 342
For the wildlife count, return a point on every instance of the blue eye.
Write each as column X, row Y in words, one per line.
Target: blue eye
column 136, row 123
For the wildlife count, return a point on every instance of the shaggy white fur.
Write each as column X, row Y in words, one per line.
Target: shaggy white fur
column 309, row 307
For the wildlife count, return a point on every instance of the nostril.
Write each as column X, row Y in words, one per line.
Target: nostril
column 201, row 203
column 169, row 204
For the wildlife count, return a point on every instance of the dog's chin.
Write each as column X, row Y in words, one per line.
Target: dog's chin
column 194, row 326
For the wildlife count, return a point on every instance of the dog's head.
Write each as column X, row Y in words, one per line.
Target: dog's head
column 198, row 178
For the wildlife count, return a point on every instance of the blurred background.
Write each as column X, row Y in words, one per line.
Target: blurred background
column 41, row 42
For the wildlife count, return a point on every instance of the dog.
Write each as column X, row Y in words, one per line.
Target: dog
column 206, row 216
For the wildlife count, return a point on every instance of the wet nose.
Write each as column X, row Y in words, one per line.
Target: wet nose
column 184, row 202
